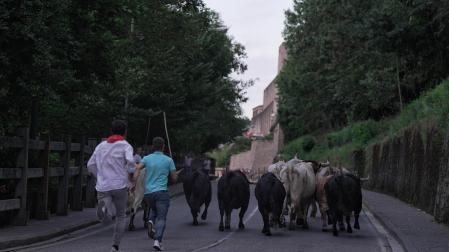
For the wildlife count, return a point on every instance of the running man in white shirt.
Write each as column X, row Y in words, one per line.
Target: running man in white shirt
column 110, row 164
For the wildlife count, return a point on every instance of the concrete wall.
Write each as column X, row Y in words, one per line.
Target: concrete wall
column 413, row 167
column 269, row 95
column 242, row 161
column 282, row 56
column 263, row 121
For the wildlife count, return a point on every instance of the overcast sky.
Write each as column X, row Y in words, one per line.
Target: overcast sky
column 258, row 25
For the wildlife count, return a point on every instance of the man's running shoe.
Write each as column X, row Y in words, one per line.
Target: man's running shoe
column 157, row 246
column 150, row 230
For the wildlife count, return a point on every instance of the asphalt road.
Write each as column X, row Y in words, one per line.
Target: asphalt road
column 180, row 235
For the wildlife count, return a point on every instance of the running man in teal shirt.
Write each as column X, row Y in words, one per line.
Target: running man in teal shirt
column 158, row 168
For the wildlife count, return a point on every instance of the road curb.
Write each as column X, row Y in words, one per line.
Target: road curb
column 44, row 237
column 393, row 242
column 4, row 246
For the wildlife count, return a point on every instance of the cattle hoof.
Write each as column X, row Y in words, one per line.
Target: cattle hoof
column 299, row 222
column 349, row 230
column 241, row 226
column 204, row 216
column 291, row 226
column 305, row 226
column 195, row 223
column 131, row 227
column 145, row 224
column 227, row 227
column 356, row 226
column 268, row 234
column 324, row 229
column 221, row 228
column 335, row 233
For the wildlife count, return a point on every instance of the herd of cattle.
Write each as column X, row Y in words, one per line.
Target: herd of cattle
column 288, row 188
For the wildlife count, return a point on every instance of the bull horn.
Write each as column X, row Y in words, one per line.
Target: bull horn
column 364, row 179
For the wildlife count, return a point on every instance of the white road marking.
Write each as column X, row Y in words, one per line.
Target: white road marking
column 389, row 243
column 228, row 235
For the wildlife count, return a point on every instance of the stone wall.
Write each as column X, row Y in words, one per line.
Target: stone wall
column 412, row 167
column 441, row 211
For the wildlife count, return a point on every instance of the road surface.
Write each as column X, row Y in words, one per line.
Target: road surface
column 182, row 236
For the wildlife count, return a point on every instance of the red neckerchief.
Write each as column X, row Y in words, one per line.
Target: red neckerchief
column 115, row 138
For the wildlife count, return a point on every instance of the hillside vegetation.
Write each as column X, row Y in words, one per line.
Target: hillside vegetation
column 338, row 146
column 358, row 72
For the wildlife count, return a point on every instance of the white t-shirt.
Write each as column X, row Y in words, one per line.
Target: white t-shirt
column 110, row 163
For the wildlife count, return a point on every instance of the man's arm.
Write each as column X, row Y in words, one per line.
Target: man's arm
column 173, row 172
column 133, row 177
column 139, row 168
column 129, row 158
column 173, row 176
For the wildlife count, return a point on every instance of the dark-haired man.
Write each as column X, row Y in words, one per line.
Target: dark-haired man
column 110, row 163
column 158, row 168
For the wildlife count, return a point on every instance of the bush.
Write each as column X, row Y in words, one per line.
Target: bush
column 300, row 146
column 308, row 143
column 360, row 133
column 433, row 105
column 223, row 155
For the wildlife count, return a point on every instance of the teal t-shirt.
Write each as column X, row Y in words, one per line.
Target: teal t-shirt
column 158, row 166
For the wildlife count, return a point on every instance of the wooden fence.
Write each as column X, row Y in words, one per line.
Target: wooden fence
column 72, row 173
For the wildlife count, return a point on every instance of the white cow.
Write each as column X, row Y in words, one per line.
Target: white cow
column 276, row 168
column 284, row 179
column 135, row 198
column 300, row 181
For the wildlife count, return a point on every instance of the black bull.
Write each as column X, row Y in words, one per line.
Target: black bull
column 270, row 194
column 344, row 196
column 233, row 193
column 198, row 191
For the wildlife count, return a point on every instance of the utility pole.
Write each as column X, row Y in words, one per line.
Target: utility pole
column 166, row 133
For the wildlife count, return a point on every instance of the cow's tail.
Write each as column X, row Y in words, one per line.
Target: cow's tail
column 289, row 172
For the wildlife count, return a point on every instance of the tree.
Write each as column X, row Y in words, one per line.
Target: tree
column 356, row 60
column 73, row 66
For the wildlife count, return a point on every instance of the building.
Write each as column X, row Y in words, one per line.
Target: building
column 265, row 131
